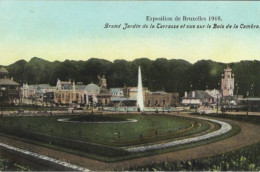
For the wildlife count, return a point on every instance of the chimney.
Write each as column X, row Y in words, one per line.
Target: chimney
column 193, row 93
column 185, row 94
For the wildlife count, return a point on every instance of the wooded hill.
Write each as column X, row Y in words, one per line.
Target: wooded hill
column 160, row 74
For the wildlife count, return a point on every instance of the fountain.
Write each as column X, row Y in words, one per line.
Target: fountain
column 140, row 102
column 140, row 98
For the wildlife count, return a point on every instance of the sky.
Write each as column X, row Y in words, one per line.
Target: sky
column 60, row 30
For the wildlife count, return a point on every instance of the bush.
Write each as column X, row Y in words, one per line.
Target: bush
column 245, row 159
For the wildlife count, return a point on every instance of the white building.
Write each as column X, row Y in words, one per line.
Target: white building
column 197, row 98
column 117, row 92
column 216, row 94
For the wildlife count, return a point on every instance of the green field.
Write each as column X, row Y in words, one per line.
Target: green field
column 103, row 141
column 148, row 128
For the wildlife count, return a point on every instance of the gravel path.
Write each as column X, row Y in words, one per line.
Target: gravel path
column 225, row 127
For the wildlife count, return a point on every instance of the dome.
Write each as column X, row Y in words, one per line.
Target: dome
column 92, row 88
column 3, row 70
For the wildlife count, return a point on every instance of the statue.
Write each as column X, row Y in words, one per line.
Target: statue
column 102, row 81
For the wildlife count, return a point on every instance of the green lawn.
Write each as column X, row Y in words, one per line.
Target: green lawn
column 148, row 128
column 102, row 140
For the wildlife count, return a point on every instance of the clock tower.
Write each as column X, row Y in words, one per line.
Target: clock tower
column 227, row 82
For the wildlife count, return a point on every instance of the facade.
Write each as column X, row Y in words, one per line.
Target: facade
column 29, row 91
column 67, row 97
column 66, row 93
column 117, row 92
column 104, row 99
column 161, row 98
column 227, row 83
column 133, row 91
column 90, row 94
column 253, row 104
column 9, row 89
column 197, row 98
column 216, row 94
column 121, row 96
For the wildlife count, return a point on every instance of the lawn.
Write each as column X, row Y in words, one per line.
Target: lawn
column 103, row 141
column 148, row 128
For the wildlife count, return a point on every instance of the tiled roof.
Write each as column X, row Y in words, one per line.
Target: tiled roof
column 198, row 95
column 5, row 81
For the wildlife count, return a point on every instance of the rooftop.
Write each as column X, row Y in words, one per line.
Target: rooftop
column 3, row 70
column 5, row 81
column 199, row 94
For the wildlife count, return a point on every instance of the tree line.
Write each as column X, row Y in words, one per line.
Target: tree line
column 172, row 75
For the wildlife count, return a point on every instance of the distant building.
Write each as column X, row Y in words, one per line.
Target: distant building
column 160, row 98
column 133, row 91
column 197, row 98
column 29, row 91
column 117, row 92
column 90, row 94
column 9, row 89
column 66, row 93
column 252, row 103
column 216, row 94
column 227, row 83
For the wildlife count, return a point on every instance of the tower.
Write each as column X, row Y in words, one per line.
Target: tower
column 227, row 82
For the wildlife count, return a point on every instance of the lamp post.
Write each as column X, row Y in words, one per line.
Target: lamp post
column 127, row 105
column 237, row 90
column 252, row 90
column 2, row 99
column 247, row 94
column 163, row 104
column 50, row 99
column 222, row 95
column 217, row 103
column 44, row 99
column 190, row 95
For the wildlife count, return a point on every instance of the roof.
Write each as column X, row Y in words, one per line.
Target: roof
column 159, row 92
column 80, row 87
column 3, row 70
column 251, row 99
column 5, row 81
column 133, row 89
column 199, row 95
column 92, row 88
column 39, row 91
column 41, row 86
column 66, row 86
column 118, row 99
column 114, row 90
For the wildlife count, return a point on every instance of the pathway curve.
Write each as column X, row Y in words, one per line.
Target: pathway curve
column 225, row 127
column 249, row 135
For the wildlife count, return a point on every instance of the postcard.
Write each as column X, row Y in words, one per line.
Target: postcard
column 129, row 85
